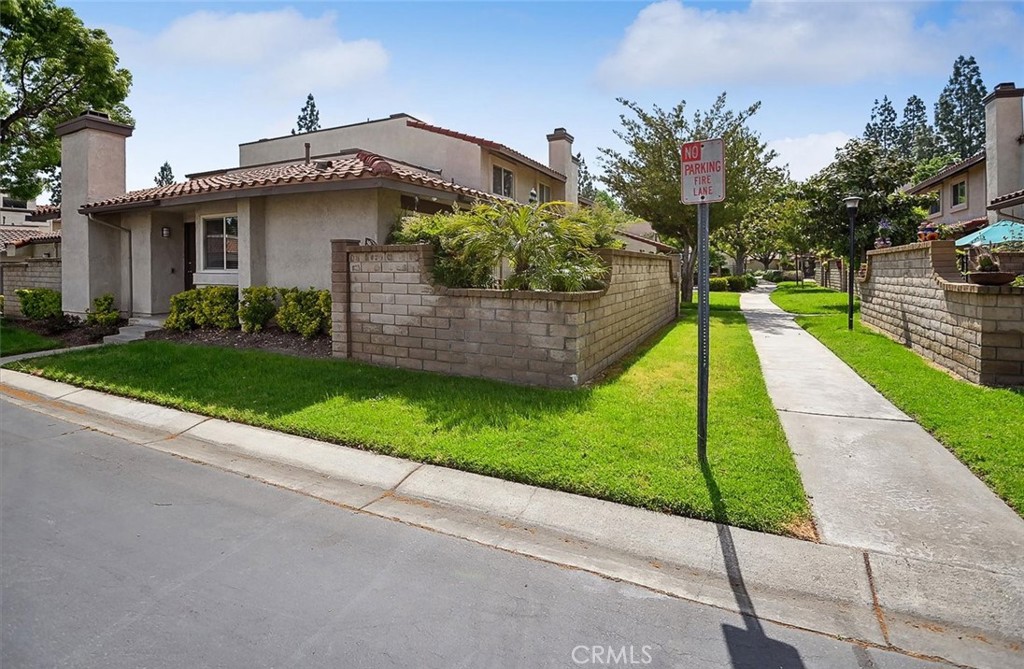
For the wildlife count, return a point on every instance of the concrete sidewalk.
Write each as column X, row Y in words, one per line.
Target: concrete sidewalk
column 963, row 615
column 876, row 479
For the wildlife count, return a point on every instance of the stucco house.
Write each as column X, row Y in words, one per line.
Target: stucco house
column 989, row 185
column 269, row 221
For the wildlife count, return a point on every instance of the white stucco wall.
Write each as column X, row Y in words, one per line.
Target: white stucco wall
column 976, row 193
column 92, row 168
column 392, row 138
column 300, row 227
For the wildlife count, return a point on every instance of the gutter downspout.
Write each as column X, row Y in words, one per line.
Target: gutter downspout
column 131, row 267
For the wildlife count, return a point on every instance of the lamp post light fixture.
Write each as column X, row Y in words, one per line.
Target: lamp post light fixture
column 852, row 203
column 533, row 196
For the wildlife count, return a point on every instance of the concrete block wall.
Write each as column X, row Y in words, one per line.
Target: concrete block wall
column 915, row 295
column 1011, row 261
column 387, row 311
column 28, row 273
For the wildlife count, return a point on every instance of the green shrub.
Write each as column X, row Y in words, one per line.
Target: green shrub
column 790, row 276
column 724, row 271
column 773, row 275
column 307, row 312
column 257, row 306
column 751, row 279
column 39, row 304
column 737, row 284
column 103, row 312
column 218, row 307
column 184, row 315
column 719, row 284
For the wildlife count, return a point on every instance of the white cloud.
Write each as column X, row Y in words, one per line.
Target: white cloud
column 286, row 50
column 808, row 154
column 775, row 42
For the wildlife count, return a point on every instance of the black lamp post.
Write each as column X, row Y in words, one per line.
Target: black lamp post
column 852, row 202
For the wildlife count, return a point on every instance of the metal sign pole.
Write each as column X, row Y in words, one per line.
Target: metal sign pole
column 703, row 334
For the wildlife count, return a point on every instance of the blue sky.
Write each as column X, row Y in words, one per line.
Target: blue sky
column 208, row 76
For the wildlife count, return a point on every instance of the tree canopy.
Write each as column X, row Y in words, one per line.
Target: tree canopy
column 165, row 177
column 960, row 112
column 882, row 128
column 865, row 169
column 309, row 117
column 52, row 68
column 646, row 177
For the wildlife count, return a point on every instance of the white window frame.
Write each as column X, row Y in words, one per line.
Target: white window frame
column 540, row 192
column 504, row 170
column 201, row 241
column 953, row 205
column 938, row 201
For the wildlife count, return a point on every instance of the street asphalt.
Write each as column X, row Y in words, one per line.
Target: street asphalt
column 117, row 555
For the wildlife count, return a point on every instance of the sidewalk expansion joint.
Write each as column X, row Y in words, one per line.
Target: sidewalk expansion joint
column 406, row 477
column 842, row 415
column 879, row 614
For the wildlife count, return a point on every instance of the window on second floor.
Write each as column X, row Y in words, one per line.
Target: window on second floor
column 959, row 194
column 503, row 182
column 935, row 206
column 543, row 193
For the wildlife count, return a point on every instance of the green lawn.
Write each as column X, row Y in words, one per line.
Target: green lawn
column 810, row 298
column 984, row 427
column 629, row 439
column 14, row 340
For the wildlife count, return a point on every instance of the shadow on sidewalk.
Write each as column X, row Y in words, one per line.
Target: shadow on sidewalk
column 749, row 647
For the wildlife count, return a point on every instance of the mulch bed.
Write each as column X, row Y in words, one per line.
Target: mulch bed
column 74, row 335
column 272, row 339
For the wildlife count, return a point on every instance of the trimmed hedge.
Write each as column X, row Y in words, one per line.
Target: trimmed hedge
column 209, row 307
column 307, row 312
column 718, row 284
column 40, row 304
column 257, row 306
column 103, row 311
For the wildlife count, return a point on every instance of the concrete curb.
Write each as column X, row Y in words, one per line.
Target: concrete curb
column 924, row 608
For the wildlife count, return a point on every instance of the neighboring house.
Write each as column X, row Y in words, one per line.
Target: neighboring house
column 38, row 236
column 989, row 185
column 269, row 221
column 13, row 211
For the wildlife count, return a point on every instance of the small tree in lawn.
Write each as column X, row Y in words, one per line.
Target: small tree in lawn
column 646, row 177
column 309, row 117
column 165, row 177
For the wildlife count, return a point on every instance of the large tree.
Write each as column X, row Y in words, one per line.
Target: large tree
column 645, row 178
column 882, row 128
column 52, row 69
column 865, row 169
column 309, row 117
column 960, row 112
column 585, row 182
column 165, row 177
column 915, row 136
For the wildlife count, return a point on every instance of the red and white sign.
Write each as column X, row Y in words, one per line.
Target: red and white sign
column 703, row 173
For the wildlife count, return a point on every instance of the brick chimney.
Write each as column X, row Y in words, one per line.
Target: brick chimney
column 1004, row 142
column 561, row 160
column 92, row 168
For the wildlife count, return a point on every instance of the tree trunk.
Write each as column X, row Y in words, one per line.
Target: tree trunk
column 741, row 263
column 689, row 262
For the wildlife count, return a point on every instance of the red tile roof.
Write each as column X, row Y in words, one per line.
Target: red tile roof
column 948, row 171
column 24, row 236
column 45, row 212
column 1004, row 200
column 363, row 165
column 486, row 143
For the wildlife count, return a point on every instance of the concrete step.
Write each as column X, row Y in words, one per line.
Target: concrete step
column 152, row 321
column 129, row 333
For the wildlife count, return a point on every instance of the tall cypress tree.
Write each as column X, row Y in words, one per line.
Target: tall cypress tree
column 960, row 112
column 916, row 137
column 882, row 129
column 309, row 117
column 165, row 177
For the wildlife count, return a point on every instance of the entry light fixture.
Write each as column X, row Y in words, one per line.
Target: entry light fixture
column 165, row 232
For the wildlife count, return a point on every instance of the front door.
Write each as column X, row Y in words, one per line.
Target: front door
column 190, row 255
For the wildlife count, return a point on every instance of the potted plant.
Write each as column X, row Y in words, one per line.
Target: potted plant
column 986, row 272
column 883, row 241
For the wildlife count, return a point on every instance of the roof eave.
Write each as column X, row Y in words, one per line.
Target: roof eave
column 942, row 175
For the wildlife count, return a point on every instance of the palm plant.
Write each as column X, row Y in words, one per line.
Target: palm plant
column 544, row 248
